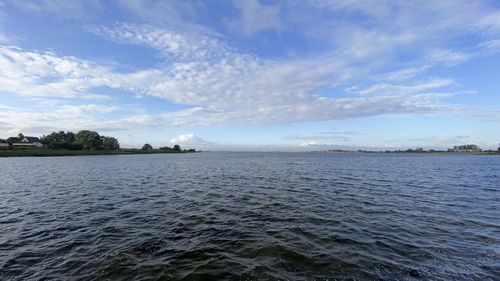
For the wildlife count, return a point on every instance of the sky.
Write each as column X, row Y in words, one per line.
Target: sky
column 254, row 74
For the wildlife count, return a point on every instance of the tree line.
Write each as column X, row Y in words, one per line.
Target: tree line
column 467, row 147
column 88, row 140
column 83, row 140
column 175, row 148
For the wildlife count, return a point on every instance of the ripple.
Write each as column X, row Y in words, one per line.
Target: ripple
column 250, row 216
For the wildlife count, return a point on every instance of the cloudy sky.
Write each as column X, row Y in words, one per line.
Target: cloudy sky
column 254, row 74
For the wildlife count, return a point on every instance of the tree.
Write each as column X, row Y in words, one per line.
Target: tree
column 498, row 149
column 58, row 140
column 467, row 147
column 177, row 148
column 20, row 137
column 89, row 139
column 110, row 143
column 147, row 146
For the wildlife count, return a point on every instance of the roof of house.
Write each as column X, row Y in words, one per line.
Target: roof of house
column 28, row 139
column 32, row 139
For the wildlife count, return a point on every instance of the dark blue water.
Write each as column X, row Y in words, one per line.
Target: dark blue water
column 250, row 216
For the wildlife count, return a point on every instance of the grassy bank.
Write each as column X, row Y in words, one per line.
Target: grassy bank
column 63, row 152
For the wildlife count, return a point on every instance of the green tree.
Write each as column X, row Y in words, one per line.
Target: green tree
column 110, row 143
column 498, row 149
column 467, row 147
column 147, row 146
column 89, row 139
column 20, row 137
column 58, row 140
column 177, row 148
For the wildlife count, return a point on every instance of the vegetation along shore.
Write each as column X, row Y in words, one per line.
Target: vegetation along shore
column 84, row 142
column 468, row 149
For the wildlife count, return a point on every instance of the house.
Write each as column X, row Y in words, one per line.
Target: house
column 25, row 141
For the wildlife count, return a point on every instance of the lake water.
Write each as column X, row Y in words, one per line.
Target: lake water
column 250, row 216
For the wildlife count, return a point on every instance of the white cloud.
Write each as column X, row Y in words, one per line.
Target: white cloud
column 317, row 146
column 60, row 117
column 255, row 17
column 190, row 140
column 384, row 29
column 180, row 15
column 170, row 42
column 225, row 85
column 46, row 74
column 448, row 57
column 405, row 73
column 489, row 23
column 387, row 89
column 492, row 45
column 75, row 9
column 310, row 143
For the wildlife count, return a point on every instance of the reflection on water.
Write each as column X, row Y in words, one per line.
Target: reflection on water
column 250, row 216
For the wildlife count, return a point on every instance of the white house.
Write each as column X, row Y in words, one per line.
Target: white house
column 28, row 141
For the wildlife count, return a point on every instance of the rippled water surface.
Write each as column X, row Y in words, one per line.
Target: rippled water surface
column 250, row 216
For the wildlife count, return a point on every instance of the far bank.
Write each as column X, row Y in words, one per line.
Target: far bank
column 41, row 152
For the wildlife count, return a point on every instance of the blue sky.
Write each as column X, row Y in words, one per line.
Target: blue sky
column 254, row 74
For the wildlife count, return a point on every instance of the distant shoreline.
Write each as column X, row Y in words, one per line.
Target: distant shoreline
column 412, row 152
column 63, row 152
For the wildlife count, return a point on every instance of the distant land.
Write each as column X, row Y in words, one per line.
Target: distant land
column 84, row 142
column 460, row 149
column 87, row 142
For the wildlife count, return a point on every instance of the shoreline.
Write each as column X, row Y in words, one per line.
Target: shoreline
column 131, row 151
column 405, row 152
column 63, row 152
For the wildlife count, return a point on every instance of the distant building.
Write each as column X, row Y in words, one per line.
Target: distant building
column 25, row 141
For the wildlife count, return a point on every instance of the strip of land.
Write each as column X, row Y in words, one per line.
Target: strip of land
column 40, row 152
column 440, row 152
column 84, row 142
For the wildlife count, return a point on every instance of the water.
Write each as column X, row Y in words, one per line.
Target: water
column 250, row 216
